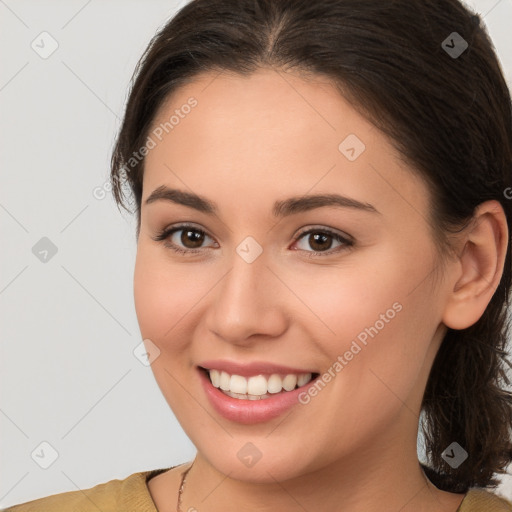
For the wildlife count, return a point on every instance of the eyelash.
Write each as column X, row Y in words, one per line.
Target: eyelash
column 166, row 233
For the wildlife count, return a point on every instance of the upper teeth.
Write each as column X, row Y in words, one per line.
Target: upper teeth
column 259, row 384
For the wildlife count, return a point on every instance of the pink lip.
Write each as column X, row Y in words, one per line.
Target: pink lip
column 251, row 411
column 250, row 369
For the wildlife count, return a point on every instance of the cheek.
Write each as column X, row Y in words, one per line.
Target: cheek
column 342, row 302
column 366, row 314
column 164, row 297
column 392, row 351
column 164, row 294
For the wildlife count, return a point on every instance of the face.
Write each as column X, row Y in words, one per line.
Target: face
column 342, row 290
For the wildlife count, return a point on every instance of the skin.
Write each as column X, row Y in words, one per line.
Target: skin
column 249, row 142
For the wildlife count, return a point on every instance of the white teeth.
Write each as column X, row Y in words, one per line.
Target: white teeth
column 238, row 385
column 246, row 397
column 274, row 384
column 224, row 381
column 215, row 376
column 257, row 387
column 289, row 382
column 303, row 379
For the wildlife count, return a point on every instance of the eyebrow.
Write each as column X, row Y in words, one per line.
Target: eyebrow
column 282, row 208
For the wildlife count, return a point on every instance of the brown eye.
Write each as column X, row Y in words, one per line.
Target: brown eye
column 190, row 240
column 320, row 240
column 193, row 237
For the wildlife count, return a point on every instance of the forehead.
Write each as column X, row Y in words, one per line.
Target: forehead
column 276, row 132
column 266, row 106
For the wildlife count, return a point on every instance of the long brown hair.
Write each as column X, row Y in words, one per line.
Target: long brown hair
column 426, row 74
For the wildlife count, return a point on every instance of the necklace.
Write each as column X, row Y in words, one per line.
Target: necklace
column 182, row 486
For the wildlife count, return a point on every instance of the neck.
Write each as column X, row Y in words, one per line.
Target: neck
column 375, row 478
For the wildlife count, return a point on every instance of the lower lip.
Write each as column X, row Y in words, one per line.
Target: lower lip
column 250, row 411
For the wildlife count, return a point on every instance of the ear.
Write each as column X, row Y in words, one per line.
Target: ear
column 480, row 267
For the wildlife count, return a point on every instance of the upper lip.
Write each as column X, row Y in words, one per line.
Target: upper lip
column 252, row 368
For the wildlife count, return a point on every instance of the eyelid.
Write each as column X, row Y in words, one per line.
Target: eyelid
column 324, row 229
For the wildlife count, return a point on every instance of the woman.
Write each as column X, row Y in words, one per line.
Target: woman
column 322, row 192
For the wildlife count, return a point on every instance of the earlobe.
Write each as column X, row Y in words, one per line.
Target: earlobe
column 480, row 267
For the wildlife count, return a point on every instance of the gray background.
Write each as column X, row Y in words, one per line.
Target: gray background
column 68, row 373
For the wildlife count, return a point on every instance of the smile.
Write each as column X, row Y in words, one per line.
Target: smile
column 257, row 387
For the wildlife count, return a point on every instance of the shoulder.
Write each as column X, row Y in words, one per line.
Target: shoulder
column 481, row 500
column 129, row 494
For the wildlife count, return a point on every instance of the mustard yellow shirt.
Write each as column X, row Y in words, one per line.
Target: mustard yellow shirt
column 132, row 495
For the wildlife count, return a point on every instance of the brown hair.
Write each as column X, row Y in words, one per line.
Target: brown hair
column 450, row 118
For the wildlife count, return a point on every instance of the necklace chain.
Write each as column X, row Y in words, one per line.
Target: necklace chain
column 182, row 486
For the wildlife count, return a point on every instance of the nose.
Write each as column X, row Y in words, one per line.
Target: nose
column 247, row 304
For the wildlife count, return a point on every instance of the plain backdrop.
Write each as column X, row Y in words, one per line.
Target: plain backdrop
column 71, row 387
